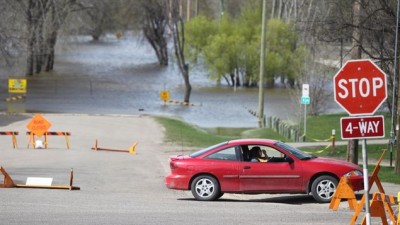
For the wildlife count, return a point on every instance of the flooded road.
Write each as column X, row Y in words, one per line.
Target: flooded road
column 123, row 77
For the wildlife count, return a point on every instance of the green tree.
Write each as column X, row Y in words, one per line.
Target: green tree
column 230, row 48
column 198, row 31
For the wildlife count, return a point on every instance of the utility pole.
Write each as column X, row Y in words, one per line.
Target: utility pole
column 392, row 140
column 395, row 85
column 262, row 67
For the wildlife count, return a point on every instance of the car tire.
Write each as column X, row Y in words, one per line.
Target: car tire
column 323, row 188
column 205, row 188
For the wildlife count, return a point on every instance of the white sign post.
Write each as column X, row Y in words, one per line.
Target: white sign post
column 305, row 100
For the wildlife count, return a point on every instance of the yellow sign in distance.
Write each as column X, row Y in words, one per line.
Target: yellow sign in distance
column 17, row 85
column 38, row 125
column 164, row 96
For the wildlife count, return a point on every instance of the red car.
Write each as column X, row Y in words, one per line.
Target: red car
column 256, row 166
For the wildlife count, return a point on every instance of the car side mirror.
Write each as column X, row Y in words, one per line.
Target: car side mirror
column 289, row 160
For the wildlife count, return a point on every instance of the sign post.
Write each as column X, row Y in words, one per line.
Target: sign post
column 360, row 89
column 305, row 100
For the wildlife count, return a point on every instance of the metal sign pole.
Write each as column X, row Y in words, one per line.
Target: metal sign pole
column 305, row 121
column 365, row 174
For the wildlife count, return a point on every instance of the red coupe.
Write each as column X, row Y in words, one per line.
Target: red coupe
column 256, row 166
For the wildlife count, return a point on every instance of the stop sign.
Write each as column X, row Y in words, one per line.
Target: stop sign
column 360, row 87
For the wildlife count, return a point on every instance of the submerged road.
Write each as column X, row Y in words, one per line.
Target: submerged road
column 123, row 77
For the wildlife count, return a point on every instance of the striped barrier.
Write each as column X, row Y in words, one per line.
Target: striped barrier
column 15, row 98
column 181, row 103
column 13, row 138
column 48, row 133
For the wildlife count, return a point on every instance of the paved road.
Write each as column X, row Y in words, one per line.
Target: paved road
column 119, row 188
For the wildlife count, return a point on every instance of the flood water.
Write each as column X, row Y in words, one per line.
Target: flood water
column 123, row 77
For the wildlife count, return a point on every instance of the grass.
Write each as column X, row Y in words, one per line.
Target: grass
column 181, row 133
column 319, row 128
column 374, row 151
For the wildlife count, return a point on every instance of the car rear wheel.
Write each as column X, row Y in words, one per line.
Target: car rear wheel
column 205, row 188
column 323, row 188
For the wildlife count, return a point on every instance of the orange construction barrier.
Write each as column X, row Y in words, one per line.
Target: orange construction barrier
column 372, row 179
column 398, row 209
column 379, row 203
column 9, row 183
column 343, row 191
column 13, row 138
column 131, row 150
column 48, row 133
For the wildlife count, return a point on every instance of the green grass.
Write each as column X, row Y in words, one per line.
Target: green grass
column 374, row 151
column 386, row 174
column 182, row 133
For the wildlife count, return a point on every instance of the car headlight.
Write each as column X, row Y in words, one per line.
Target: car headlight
column 353, row 173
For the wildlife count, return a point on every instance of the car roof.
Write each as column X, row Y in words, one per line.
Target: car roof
column 252, row 141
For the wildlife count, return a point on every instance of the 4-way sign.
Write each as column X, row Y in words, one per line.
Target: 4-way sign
column 362, row 127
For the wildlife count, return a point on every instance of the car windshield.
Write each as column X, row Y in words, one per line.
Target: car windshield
column 294, row 151
column 200, row 152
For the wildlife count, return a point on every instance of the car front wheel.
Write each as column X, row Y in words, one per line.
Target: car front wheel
column 205, row 188
column 323, row 188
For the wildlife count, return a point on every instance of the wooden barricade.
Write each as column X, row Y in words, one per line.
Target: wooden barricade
column 343, row 191
column 372, row 179
column 398, row 208
column 378, row 204
column 9, row 183
column 131, row 150
column 48, row 133
column 13, row 138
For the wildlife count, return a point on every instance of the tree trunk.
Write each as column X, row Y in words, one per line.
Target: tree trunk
column 40, row 45
column 352, row 149
column 31, row 38
column 154, row 28
column 178, row 31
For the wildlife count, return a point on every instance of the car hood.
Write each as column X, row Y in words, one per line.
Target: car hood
column 334, row 162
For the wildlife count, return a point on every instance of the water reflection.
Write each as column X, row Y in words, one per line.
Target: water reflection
column 123, row 77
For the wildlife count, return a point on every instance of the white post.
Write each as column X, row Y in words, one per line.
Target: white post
column 365, row 174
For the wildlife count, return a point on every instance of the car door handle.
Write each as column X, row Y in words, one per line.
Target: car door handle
column 247, row 167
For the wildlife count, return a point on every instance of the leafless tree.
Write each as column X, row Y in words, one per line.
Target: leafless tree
column 10, row 35
column 154, row 26
column 43, row 19
column 176, row 26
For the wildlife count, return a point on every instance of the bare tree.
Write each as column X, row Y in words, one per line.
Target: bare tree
column 154, row 27
column 10, row 35
column 43, row 19
column 176, row 26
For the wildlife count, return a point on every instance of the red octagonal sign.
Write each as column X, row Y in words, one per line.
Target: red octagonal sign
column 360, row 87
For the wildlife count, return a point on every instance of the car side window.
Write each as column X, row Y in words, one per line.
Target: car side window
column 263, row 154
column 273, row 152
column 225, row 154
